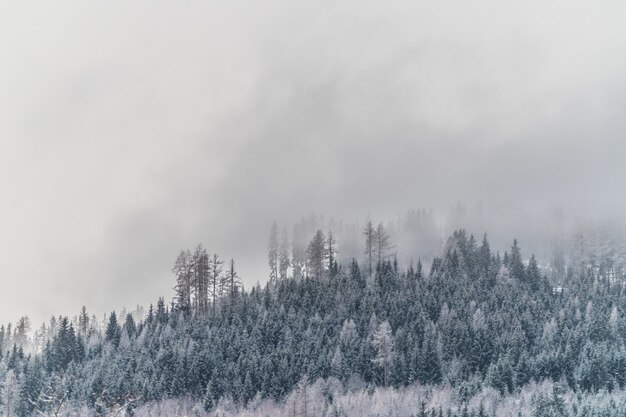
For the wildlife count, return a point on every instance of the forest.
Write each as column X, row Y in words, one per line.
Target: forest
column 470, row 332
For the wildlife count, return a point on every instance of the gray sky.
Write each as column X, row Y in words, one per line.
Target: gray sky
column 130, row 130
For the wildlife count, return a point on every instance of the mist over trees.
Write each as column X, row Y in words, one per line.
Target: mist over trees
column 472, row 333
column 561, row 243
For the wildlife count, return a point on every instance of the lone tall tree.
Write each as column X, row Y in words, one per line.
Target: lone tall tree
column 316, row 255
column 331, row 250
column 284, row 261
column 272, row 254
column 369, row 233
column 298, row 250
column 215, row 277
column 83, row 321
column 516, row 266
column 231, row 281
column 182, row 270
column 201, row 279
column 382, row 243
column 113, row 330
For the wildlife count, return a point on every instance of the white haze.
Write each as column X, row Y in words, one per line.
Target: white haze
column 130, row 130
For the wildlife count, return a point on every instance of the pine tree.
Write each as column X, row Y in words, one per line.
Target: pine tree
column 284, row 261
column 211, row 395
column 316, row 255
column 183, row 272
column 298, row 250
column 533, row 274
column 383, row 343
column 349, row 343
column 22, row 328
column 10, row 394
column 430, row 367
column 231, row 281
column 161, row 314
column 331, row 251
column 62, row 350
column 113, row 331
column 130, row 328
column 485, row 258
column 369, row 245
column 83, row 321
column 272, row 254
column 200, row 261
column 515, row 264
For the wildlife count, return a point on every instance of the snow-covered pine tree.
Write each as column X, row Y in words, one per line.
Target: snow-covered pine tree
column 317, row 253
column 383, row 343
column 183, row 272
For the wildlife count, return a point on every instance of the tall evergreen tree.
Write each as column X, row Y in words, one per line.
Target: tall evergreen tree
column 273, row 253
column 183, row 272
column 113, row 330
column 317, row 253
column 383, row 343
column 515, row 263
column 284, row 260
column 83, row 321
column 370, row 239
column 331, row 252
column 201, row 279
column 298, row 250
column 231, row 281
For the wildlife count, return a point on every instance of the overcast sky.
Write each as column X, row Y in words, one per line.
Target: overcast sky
column 130, row 130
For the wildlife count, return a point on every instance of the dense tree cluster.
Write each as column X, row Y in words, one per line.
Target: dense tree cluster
column 200, row 281
column 475, row 320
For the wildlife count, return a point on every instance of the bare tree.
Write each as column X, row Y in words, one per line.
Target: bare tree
column 231, row 281
column 382, row 243
column 215, row 278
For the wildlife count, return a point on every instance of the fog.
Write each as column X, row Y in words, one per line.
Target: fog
column 130, row 130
